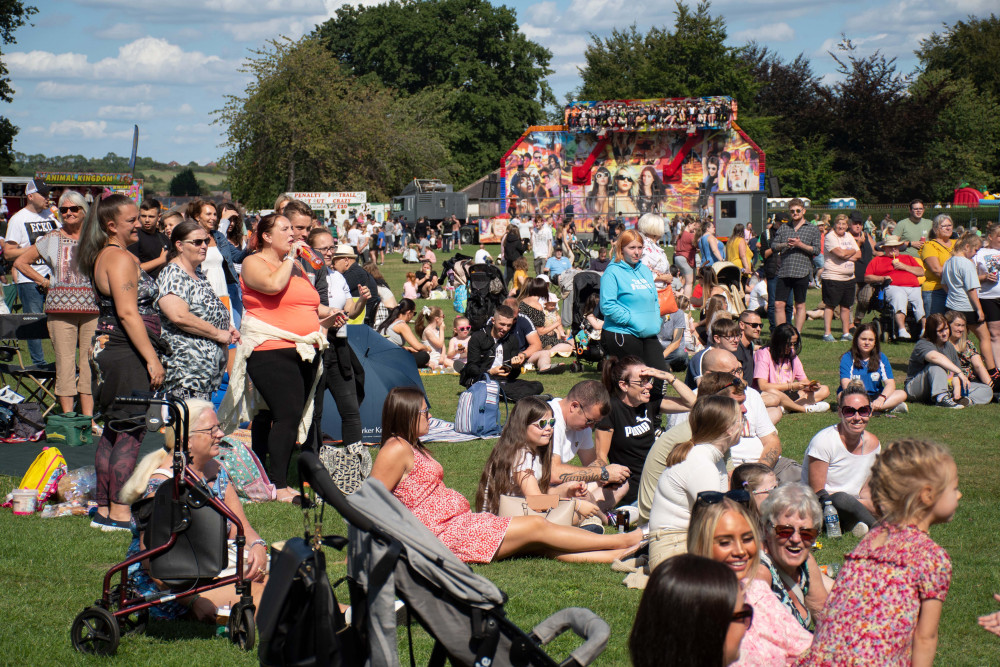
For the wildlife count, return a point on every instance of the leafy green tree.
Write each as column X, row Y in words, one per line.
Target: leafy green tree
column 185, row 184
column 469, row 54
column 306, row 124
column 692, row 60
column 13, row 15
column 969, row 50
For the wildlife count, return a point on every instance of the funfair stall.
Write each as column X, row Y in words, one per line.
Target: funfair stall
column 622, row 158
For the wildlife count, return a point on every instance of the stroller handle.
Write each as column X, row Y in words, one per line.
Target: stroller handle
column 586, row 624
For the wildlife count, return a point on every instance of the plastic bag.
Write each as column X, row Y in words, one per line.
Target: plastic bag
column 77, row 486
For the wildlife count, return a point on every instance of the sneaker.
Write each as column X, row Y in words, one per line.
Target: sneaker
column 860, row 530
column 900, row 409
column 98, row 521
column 111, row 525
column 903, row 334
column 965, row 401
column 818, row 407
column 946, row 401
column 593, row 524
column 828, row 338
column 847, row 338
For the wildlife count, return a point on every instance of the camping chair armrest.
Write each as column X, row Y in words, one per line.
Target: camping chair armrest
column 586, row 624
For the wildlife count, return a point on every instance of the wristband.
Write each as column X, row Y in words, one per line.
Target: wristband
column 255, row 543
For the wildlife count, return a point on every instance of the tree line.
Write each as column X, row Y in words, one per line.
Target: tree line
column 378, row 95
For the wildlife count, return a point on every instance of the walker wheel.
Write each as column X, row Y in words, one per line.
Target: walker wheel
column 132, row 623
column 242, row 628
column 95, row 631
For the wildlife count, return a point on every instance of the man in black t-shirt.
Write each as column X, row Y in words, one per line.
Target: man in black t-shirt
column 494, row 350
column 153, row 245
column 356, row 276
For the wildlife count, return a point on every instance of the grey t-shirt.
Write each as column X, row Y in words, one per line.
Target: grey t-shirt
column 918, row 359
column 959, row 275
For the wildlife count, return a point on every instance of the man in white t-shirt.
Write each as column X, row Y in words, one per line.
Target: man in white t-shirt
column 482, row 255
column 575, row 416
column 541, row 245
column 24, row 228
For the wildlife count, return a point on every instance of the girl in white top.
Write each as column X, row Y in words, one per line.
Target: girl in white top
column 692, row 467
column 838, row 461
column 430, row 328
column 458, row 346
column 651, row 226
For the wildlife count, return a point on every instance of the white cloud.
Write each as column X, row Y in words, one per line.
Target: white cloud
column 543, row 13
column 70, row 92
column 185, row 109
column 177, row 8
column 120, row 31
column 770, row 32
column 531, row 32
column 145, row 59
column 129, row 113
column 80, row 129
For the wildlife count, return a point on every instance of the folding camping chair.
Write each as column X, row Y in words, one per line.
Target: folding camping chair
column 35, row 383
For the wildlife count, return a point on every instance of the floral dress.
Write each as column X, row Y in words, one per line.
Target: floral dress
column 537, row 318
column 473, row 537
column 874, row 605
column 196, row 363
column 965, row 356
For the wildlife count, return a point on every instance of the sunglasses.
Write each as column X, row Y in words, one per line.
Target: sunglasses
column 463, row 328
column 744, row 616
column 648, row 382
column 864, row 412
column 785, row 532
column 716, row 497
column 545, row 423
column 754, row 325
column 737, row 383
column 622, row 178
column 70, row 209
column 197, row 243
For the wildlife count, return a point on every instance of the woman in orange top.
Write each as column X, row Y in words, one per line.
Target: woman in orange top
column 277, row 292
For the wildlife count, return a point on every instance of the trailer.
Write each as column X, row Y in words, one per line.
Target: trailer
column 432, row 199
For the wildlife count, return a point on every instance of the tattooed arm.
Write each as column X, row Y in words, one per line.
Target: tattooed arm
column 772, row 449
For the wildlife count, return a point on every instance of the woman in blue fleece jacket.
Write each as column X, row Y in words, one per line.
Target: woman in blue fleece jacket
column 630, row 305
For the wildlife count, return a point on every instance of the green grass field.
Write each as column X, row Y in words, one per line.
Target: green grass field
column 51, row 568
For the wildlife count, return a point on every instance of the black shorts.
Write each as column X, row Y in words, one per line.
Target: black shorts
column 991, row 309
column 971, row 317
column 798, row 287
column 838, row 293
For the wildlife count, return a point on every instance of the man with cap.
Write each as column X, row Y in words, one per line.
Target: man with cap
column 764, row 245
column 24, row 228
column 345, row 262
column 904, row 271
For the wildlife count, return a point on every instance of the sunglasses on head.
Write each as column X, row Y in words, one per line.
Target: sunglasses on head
column 744, row 616
column 70, row 209
column 785, row 532
column 864, row 411
column 197, row 243
column 545, row 423
column 715, row 497
column 737, row 383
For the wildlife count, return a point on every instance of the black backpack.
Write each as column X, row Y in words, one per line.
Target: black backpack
column 299, row 620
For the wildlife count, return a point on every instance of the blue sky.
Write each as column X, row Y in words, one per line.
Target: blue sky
column 87, row 70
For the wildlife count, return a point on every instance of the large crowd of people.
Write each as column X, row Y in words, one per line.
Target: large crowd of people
column 179, row 299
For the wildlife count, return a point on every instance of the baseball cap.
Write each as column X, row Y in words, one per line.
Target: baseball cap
column 856, row 216
column 35, row 185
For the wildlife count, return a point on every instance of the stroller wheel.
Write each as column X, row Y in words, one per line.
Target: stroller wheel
column 242, row 628
column 132, row 623
column 95, row 631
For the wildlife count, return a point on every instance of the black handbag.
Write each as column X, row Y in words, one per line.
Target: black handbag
column 299, row 620
column 200, row 552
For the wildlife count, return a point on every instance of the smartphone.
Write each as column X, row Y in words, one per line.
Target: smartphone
column 507, row 368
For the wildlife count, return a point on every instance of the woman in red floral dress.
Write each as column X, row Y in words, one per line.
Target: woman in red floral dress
column 407, row 469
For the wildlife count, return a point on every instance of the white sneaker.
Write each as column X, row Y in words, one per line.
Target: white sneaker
column 903, row 334
column 900, row 409
column 818, row 407
column 859, row 530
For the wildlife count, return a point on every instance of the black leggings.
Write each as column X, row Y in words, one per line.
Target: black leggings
column 283, row 379
column 117, row 453
column 850, row 509
column 345, row 378
column 648, row 349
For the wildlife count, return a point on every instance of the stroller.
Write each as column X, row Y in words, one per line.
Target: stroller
column 588, row 348
column 391, row 554
column 487, row 290
column 729, row 276
column 872, row 299
column 185, row 528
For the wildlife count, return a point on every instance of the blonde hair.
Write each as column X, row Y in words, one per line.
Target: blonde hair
column 711, row 418
column 901, row 472
column 705, row 521
column 968, row 240
column 135, row 487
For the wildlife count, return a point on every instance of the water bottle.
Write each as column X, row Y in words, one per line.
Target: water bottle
column 831, row 519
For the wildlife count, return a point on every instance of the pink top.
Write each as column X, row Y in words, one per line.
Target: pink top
column 458, row 349
column 872, row 611
column 410, row 291
column 775, row 637
column 764, row 368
